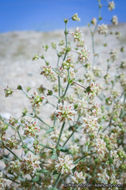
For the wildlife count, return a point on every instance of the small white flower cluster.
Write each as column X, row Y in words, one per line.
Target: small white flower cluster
column 74, row 148
column 67, row 64
column 114, row 20
column 65, row 112
column 103, row 176
column 14, row 167
column 111, row 5
column 75, row 17
column 3, row 182
column 81, row 105
column 30, row 164
column 89, row 76
column 48, row 73
column 95, row 110
column 64, row 71
column 94, row 21
column 113, row 55
column 115, row 158
column 103, row 29
column 90, row 125
column 78, row 177
column 76, row 34
column 64, row 164
column 31, row 128
column 83, row 55
column 93, row 90
column 100, row 147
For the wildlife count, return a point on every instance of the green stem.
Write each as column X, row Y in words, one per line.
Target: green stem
column 66, row 33
column 72, row 132
column 68, row 84
column 109, row 125
column 93, row 47
column 68, row 138
column 7, row 122
column 10, row 151
column 66, row 90
column 26, row 94
column 60, row 134
column 110, row 122
column 93, row 32
column 78, row 160
column 46, row 147
column 79, row 85
column 59, row 85
column 57, row 180
column 37, row 117
column 23, row 144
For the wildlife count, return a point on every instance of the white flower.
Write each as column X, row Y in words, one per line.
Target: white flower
column 78, row 177
column 111, row 5
column 103, row 177
column 115, row 158
column 90, row 125
column 103, row 29
column 77, row 34
column 65, row 164
column 94, row 21
column 65, row 112
column 74, row 148
column 48, row 72
column 113, row 55
column 100, row 147
column 114, row 20
column 75, row 17
column 83, row 55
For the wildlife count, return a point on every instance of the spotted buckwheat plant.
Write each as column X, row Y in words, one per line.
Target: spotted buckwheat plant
column 81, row 139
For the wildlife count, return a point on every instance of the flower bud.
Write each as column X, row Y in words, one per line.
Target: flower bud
column 111, row 5
column 75, row 17
column 114, row 20
column 94, row 21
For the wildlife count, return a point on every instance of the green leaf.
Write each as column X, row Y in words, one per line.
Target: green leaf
column 43, row 171
column 19, row 87
column 36, row 57
column 36, row 179
column 28, row 89
column 8, row 92
column 50, row 92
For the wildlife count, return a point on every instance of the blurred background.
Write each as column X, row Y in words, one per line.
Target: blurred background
column 48, row 15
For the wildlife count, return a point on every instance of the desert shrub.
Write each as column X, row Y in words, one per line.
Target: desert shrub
column 83, row 140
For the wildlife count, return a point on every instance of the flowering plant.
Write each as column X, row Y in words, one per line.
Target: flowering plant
column 82, row 140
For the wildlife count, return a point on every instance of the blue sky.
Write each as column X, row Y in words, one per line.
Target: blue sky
column 47, row 15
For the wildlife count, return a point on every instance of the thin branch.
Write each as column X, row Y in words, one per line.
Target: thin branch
column 60, row 134
column 10, row 151
column 79, row 85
